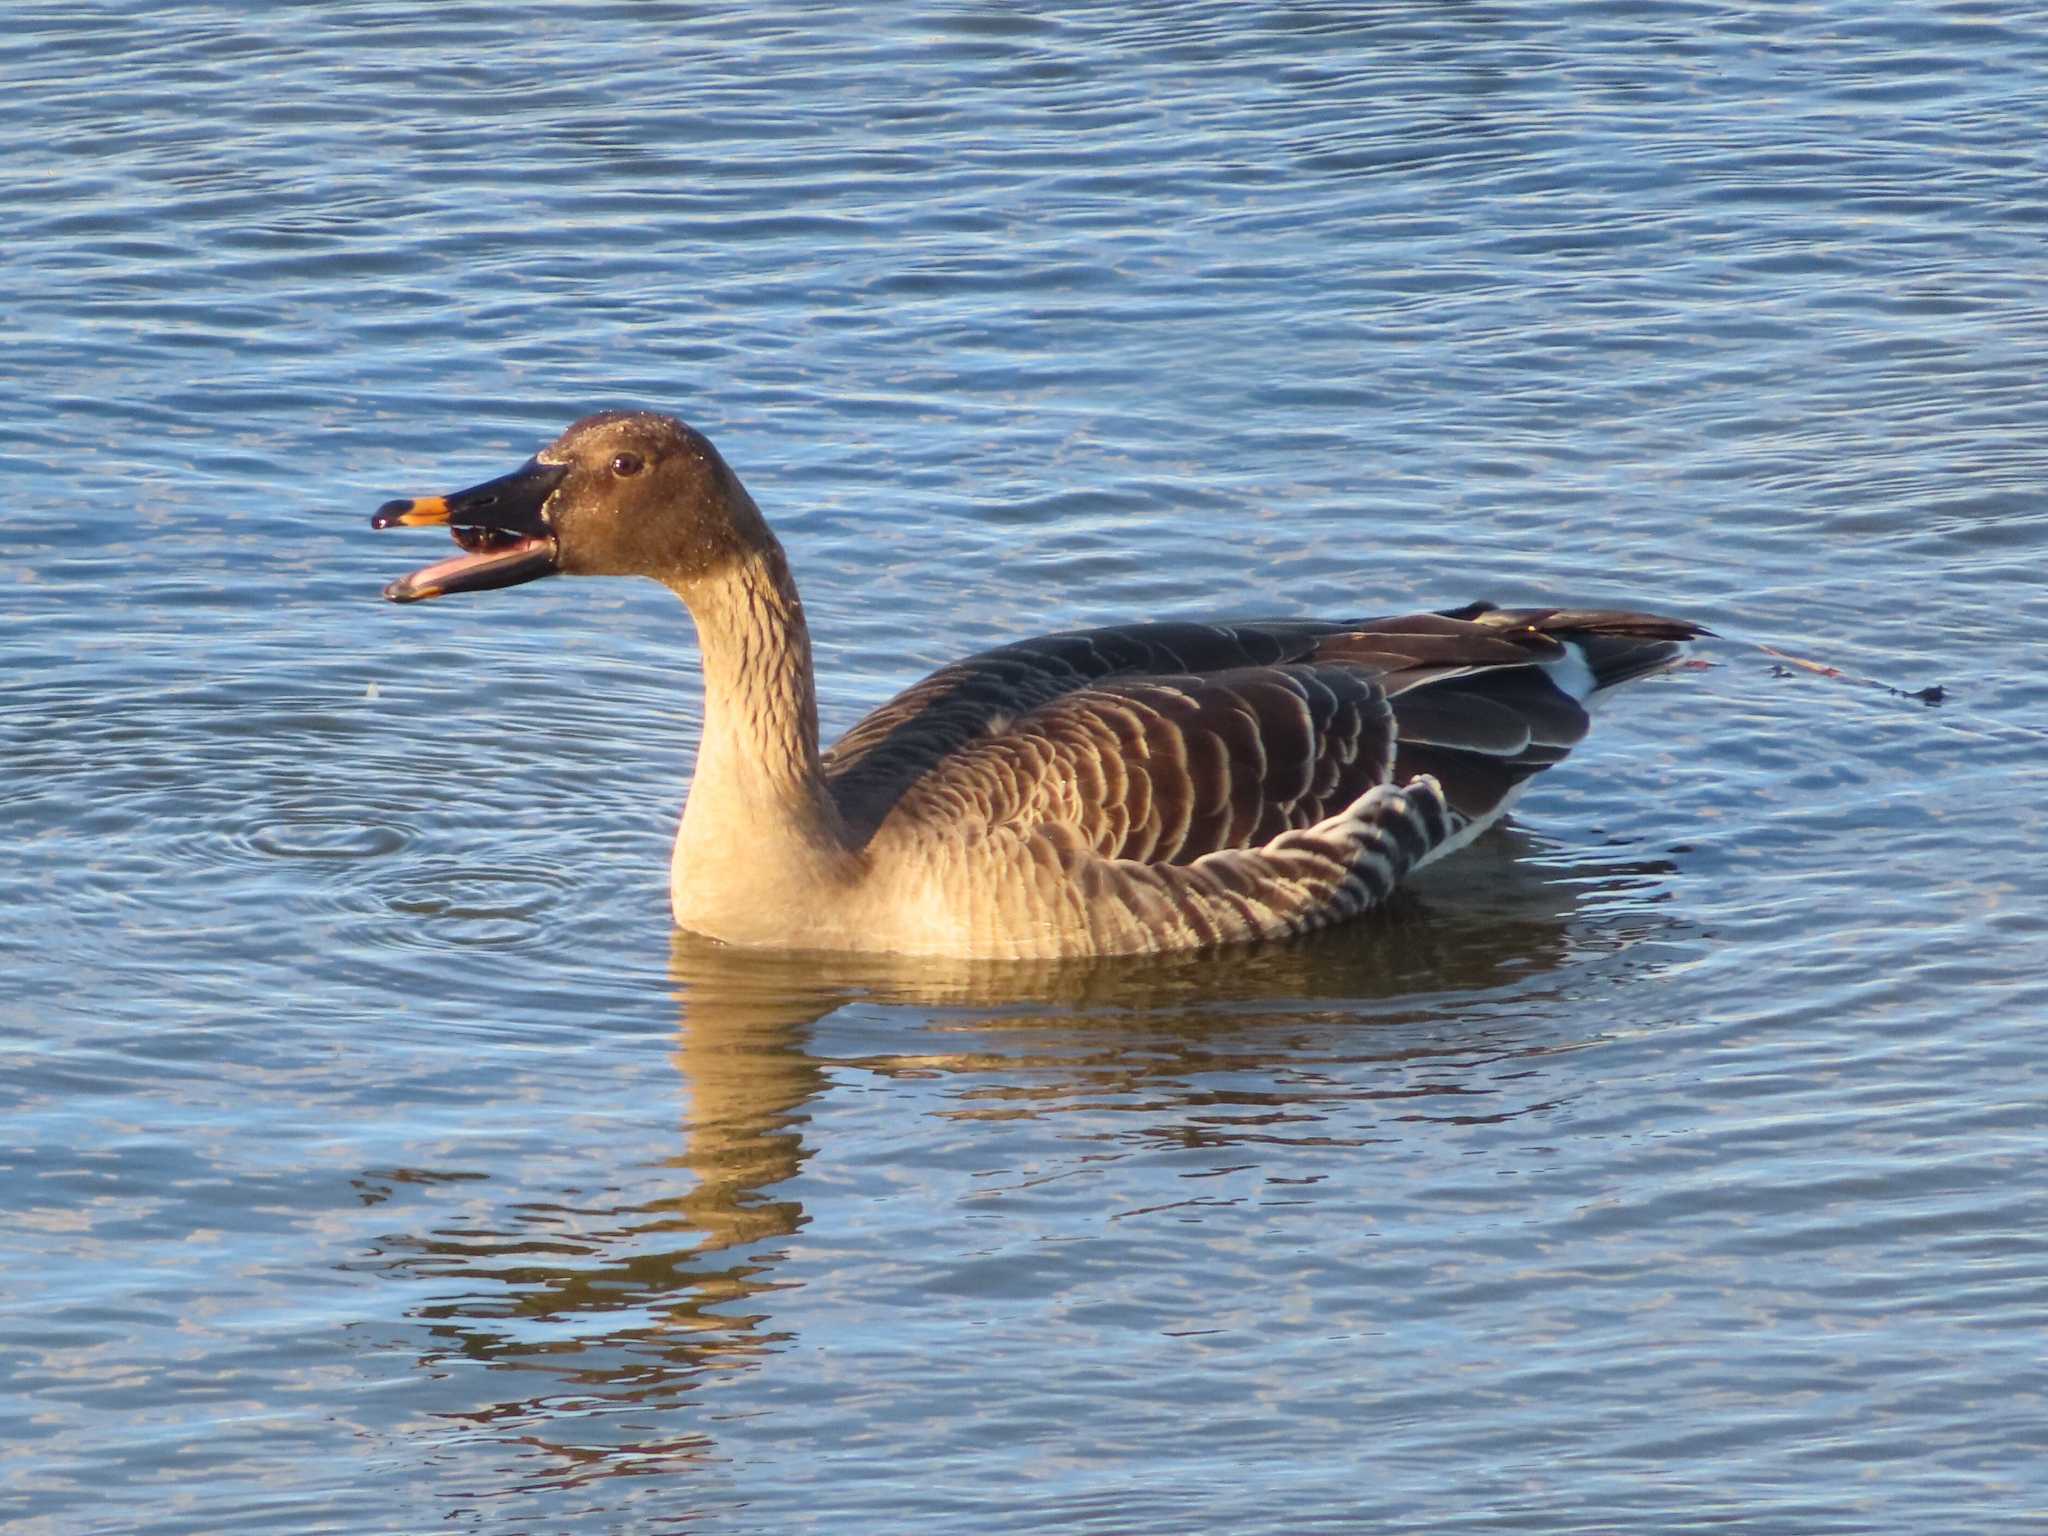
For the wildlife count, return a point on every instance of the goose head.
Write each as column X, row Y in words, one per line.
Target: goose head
column 621, row 493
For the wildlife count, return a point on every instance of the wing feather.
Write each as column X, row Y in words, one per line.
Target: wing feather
column 1163, row 743
column 1167, row 769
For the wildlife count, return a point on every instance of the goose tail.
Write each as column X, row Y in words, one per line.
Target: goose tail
column 1613, row 646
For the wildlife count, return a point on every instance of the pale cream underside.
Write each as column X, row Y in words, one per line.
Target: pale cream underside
column 1012, row 893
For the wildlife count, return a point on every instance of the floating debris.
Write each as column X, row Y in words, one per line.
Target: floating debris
column 1933, row 694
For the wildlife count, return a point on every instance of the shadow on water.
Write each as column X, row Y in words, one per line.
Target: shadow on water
column 599, row 1322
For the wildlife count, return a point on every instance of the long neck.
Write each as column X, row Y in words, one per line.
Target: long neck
column 758, row 776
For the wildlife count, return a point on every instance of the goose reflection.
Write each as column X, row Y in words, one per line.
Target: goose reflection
column 610, row 1331
column 1413, row 1011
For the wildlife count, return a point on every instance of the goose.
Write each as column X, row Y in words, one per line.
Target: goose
column 1146, row 787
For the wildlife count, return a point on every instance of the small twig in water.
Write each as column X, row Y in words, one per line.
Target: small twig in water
column 1933, row 694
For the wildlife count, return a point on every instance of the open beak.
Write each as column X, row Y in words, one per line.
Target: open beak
column 502, row 526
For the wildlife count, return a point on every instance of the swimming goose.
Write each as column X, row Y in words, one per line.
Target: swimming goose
column 1141, row 788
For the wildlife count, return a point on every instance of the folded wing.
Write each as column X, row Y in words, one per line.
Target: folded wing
column 1162, row 743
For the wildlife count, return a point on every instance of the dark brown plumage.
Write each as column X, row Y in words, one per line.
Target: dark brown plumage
column 1225, row 735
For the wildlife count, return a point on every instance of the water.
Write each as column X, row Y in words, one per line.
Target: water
column 376, row 1159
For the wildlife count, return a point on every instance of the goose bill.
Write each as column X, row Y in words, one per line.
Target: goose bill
column 502, row 526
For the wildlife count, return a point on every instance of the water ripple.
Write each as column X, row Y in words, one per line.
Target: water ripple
column 1673, row 1163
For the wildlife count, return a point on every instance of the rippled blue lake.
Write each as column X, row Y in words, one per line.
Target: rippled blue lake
column 374, row 1157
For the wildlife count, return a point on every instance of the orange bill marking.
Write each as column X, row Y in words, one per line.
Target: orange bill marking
column 424, row 512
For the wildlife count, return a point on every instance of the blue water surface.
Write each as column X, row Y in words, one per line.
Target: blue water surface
column 375, row 1158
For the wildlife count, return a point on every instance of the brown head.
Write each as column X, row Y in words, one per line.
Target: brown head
column 621, row 493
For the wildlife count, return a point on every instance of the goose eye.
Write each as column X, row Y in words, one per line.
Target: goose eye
column 626, row 463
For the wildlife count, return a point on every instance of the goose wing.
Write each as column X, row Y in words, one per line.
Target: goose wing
column 1165, row 769
column 871, row 766
column 1487, row 697
column 1165, row 742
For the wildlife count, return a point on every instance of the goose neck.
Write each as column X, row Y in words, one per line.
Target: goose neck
column 758, row 764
